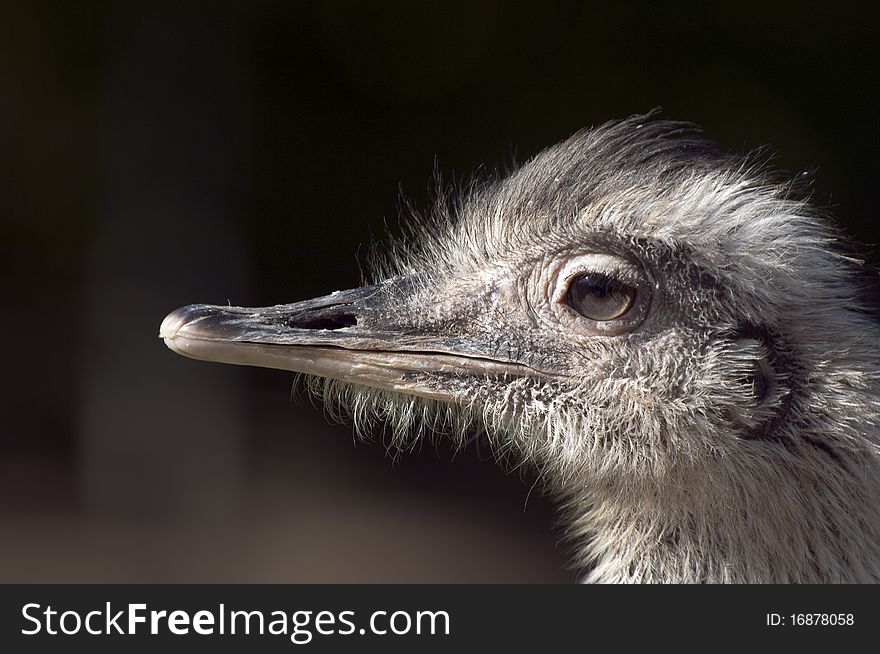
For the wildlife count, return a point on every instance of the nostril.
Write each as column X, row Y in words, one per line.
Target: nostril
column 329, row 322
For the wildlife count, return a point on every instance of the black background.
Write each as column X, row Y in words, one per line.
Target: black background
column 155, row 155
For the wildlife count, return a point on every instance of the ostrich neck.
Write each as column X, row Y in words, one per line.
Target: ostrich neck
column 721, row 527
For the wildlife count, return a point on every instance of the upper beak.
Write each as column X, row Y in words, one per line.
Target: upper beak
column 357, row 336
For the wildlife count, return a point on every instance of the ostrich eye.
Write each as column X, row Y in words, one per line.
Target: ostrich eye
column 599, row 297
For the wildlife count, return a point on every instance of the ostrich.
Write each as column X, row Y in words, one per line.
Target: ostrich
column 672, row 336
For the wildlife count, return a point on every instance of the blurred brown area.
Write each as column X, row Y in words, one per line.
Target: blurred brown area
column 158, row 155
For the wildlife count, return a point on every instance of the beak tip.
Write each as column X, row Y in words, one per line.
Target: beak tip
column 172, row 324
column 173, row 330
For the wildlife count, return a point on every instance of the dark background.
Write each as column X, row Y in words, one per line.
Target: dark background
column 157, row 155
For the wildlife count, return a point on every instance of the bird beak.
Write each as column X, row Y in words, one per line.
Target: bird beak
column 355, row 336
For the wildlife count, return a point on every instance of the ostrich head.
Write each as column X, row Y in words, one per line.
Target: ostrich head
column 673, row 339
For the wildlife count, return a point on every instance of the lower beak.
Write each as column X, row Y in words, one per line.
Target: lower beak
column 352, row 336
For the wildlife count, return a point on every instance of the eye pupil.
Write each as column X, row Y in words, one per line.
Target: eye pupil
column 599, row 297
